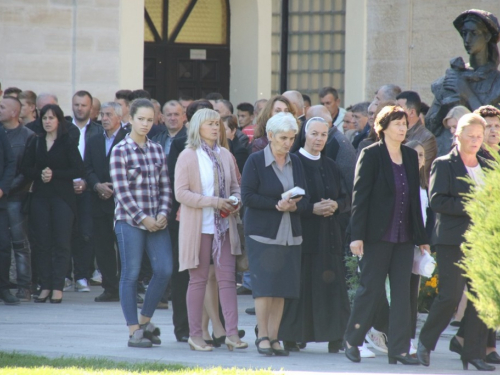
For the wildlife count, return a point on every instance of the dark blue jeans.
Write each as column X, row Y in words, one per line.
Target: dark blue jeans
column 20, row 243
column 52, row 220
column 132, row 242
column 5, row 251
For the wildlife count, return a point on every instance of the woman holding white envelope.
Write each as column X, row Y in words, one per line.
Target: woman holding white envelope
column 273, row 231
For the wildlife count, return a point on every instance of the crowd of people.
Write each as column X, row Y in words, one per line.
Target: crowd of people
column 166, row 199
column 150, row 195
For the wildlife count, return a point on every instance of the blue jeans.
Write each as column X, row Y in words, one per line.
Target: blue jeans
column 20, row 243
column 131, row 243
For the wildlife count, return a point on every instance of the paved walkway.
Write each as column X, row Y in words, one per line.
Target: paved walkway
column 81, row 327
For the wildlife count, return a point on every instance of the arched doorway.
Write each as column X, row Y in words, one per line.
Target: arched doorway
column 186, row 48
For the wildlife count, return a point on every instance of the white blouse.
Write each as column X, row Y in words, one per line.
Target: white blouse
column 206, row 167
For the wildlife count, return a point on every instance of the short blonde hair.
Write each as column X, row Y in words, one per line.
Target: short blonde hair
column 199, row 118
column 468, row 120
column 282, row 122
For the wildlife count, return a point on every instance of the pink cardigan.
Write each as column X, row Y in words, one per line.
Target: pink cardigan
column 188, row 191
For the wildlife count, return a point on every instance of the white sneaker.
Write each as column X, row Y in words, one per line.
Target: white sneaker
column 68, row 285
column 82, row 286
column 96, row 277
column 413, row 349
column 364, row 352
column 378, row 340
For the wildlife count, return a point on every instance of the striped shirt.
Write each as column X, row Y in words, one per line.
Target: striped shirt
column 140, row 181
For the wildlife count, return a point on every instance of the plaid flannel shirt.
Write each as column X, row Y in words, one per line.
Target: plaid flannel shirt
column 140, row 181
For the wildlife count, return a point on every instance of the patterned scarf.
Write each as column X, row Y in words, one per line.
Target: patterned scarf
column 219, row 191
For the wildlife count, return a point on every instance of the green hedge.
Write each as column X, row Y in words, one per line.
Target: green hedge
column 482, row 247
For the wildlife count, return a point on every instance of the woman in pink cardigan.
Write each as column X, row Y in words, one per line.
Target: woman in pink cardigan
column 205, row 177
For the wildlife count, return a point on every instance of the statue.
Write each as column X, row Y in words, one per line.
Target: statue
column 474, row 84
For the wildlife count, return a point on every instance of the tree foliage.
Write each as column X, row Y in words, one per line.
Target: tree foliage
column 481, row 248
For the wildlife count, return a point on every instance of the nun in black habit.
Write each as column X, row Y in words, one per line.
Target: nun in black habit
column 322, row 311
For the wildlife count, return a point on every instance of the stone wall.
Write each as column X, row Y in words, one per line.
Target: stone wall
column 410, row 42
column 62, row 46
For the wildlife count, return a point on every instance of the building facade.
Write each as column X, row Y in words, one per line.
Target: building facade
column 246, row 49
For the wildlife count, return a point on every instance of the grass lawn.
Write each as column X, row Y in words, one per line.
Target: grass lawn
column 24, row 364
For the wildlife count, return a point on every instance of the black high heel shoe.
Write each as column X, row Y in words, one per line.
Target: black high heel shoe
column 218, row 341
column 266, row 351
column 42, row 300
column 493, row 357
column 455, row 346
column 55, row 300
column 404, row 359
column 279, row 352
column 479, row 364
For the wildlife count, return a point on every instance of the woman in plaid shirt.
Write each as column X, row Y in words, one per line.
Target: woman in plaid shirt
column 139, row 174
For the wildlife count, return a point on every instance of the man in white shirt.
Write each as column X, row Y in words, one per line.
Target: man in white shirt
column 82, row 250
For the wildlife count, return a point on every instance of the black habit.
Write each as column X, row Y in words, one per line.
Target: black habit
column 322, row 312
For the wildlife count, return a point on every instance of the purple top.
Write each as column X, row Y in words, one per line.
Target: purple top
column 399, row 229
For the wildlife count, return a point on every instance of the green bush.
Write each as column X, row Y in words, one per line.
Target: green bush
column 481, row 249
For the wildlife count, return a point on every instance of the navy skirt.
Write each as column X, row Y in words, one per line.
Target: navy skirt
column 274, row 269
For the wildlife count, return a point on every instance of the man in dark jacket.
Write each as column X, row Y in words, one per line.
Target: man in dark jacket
column 81, row 247
column 7, row 172
column 18, row 136
column 97, row 154
column 173, row 115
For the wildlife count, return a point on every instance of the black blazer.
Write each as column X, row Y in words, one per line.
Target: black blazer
column 7, row 167
column 63, row 158
column 446, row 198
column 374, row 194
column 97, row 169
column 261, row 190
column 239, row 151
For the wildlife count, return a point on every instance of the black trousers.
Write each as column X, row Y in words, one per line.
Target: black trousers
column 5, row 251
column 180, row 282
column 82, row 249
column 52, row 221
column 381, row 320
column 379, row 260
column 105, row 252
column 451, row 287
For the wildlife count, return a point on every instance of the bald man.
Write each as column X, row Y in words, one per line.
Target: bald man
column 297, row 102
column 386, row 93
column 95, row 110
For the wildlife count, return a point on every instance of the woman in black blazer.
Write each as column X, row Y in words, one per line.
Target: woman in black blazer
column 386, row 223
column 52, row 161
column 446, row 199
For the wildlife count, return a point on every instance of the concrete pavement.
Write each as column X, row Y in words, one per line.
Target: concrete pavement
column 81, row 327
